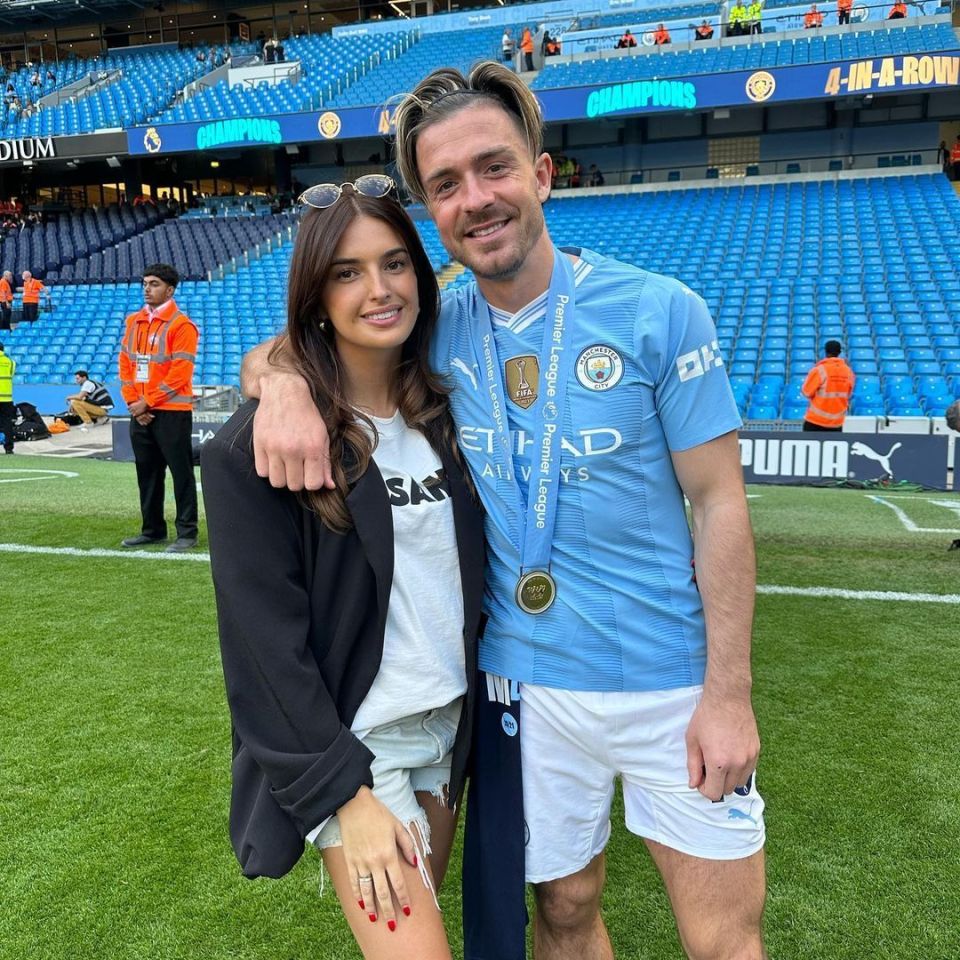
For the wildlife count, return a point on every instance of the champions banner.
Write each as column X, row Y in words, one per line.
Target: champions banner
column 821, row 458
column 701, row 92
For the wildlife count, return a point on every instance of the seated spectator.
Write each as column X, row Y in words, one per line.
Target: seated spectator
column 35, row 80
column 551, row 46
column 813, row 18
column 898, row 11
column 51, row 76
column 704, row 32
column 596, row 177
column 661, row 36
column 626, row 41
column 201, row 56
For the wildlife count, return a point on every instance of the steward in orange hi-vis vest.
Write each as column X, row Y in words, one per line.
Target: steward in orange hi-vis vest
column 157, row 356
column 829, row 386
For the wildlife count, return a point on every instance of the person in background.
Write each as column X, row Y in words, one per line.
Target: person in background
column 813, row 18
column 754, row 21
column 349, row 618
column 704, row 31
column 596, row 178
column 843, row 10
column 508, row 46
column 737, row 25
column 93, row 403
column 898, row 11
column 6, row 299
column 955, row 158
column 157, row 356
column 8, row 410
column 526, row 48
column 627, row 41
column 828, row 387
column 32, row 289
column 661, row 36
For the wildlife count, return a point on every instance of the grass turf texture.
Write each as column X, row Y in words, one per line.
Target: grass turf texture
column 114, row 745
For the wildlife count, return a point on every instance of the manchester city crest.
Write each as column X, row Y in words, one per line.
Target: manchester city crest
column 523, row 378
column 599, row 367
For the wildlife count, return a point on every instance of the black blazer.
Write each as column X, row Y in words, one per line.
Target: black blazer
column 301, row 646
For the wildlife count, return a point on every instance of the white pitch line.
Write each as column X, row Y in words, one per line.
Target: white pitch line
column 908, row 524
column 47, row 475
column 835, row 592
column 817, row 592
column 102, row 552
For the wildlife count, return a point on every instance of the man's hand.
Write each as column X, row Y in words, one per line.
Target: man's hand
column 291, row 445
column 138, row 408
column 145, row 419
column 723, row 745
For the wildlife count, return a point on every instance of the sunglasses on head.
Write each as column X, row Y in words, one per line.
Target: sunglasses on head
column 323, row 195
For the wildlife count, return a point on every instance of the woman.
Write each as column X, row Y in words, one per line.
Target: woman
column 348, row 617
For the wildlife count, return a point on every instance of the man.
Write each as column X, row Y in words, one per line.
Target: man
column 754, row 21
column 507, row 46
column 704, row 31
column 627, row 41
column 8, row 411
column 596, row 176
column 737, row 25
column 526, row 48
column 661, row 36
column 843, row 10
column 157, row 357
column 625, row 665
column 93, row 401
column 898, row 11
column 32, row 288
column 6, row 299
column 813, row 18
column 829, row 386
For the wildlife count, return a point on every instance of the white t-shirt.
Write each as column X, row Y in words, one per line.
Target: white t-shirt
column 423, row 663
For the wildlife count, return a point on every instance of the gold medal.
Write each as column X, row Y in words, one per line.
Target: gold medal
column 536, row 591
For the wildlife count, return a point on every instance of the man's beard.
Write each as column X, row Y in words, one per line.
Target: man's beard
column 515, row 265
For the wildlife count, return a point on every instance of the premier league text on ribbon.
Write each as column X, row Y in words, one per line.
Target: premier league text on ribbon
column 550, row 411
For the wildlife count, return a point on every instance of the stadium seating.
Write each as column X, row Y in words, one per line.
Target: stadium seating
column 770, row 52
column 783, row 267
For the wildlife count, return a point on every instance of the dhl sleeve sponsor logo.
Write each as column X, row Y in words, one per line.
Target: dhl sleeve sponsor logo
column 893, row 73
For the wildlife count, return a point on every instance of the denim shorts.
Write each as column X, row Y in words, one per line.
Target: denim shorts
column 409, row 755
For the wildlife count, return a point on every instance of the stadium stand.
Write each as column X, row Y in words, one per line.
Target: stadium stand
column 867, row 260
column 756, row 55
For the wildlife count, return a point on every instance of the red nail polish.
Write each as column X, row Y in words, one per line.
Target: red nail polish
column 415, row 860
column 373, row 917
column 362, row 907
column 406, row 911
column 391, row 925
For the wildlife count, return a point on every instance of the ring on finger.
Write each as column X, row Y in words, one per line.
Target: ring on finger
column 367, row 879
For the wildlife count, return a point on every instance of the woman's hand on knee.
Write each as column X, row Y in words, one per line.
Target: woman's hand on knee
column 374, row 841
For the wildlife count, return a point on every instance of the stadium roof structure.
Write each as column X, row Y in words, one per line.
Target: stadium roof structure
column 26, row 13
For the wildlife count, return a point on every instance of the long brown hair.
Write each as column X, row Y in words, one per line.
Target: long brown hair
column 308, row 345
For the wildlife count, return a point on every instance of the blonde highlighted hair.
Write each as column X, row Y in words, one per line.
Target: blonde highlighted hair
column 447, row 91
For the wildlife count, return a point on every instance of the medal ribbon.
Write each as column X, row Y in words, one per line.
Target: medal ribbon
column 534, row 529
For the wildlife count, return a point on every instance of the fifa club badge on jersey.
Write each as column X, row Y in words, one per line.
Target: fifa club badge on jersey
column 523, row 378
column 599, row 367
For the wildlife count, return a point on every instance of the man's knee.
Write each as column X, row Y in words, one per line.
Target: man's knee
column 737, row 935
column 573, row 902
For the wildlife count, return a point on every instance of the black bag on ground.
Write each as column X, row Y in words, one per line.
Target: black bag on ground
column 29, row 424
column 69, row 418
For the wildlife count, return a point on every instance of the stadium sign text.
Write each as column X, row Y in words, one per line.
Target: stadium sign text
column 27, row 148
column 241, row 130
column 642, row 95
column 863, row 76
column 775, row 457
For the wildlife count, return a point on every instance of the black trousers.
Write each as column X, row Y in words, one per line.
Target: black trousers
column 6, row 311
column 31, row 311
column 815, row 427
column 527, row 61
column 8, row 413
column 166, row 442
column 843, row 16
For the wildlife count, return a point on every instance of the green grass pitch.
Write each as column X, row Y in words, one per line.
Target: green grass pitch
column 114, row 745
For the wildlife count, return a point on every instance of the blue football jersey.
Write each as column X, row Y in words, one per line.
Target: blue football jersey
column 648, row 379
